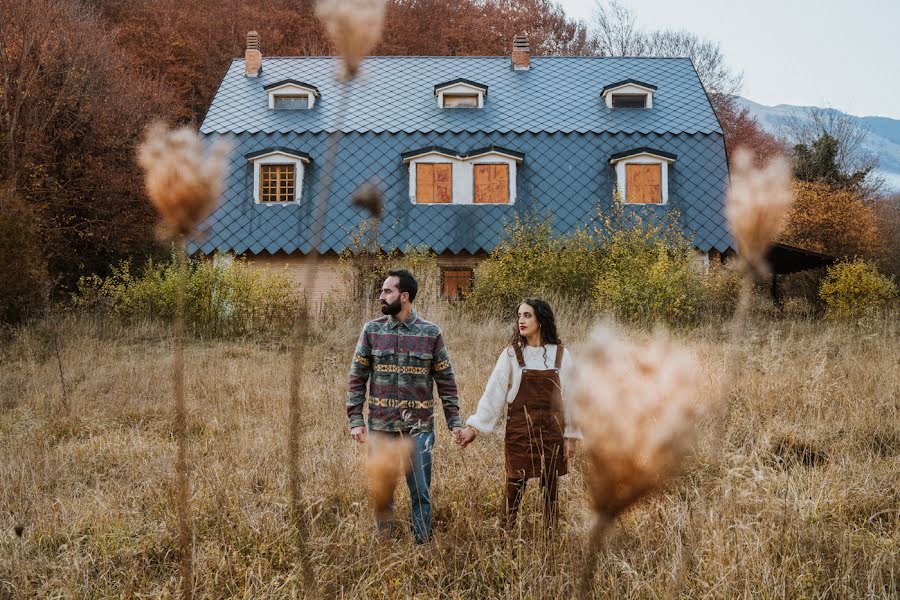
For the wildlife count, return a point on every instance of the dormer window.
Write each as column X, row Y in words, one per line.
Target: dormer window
column 642, row 175
column 278, row 175
column 290, row 94
column 460, row 93
column 630, row 93
column 443, row 176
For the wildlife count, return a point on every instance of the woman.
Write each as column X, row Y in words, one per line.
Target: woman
column 528, row 381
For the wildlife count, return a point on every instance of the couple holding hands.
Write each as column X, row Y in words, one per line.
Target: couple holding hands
column 401, row 356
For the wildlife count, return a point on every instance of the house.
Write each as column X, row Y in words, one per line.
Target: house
column 459, row 145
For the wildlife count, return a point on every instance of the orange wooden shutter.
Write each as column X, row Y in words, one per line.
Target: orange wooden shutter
column 424, row 182
column 434, row 183
column 443, row 183
column 457, row 282
column 492, row 183
column 644, row 183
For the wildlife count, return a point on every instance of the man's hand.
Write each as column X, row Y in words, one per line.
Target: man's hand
column 358, row 434
column 465, row 436
column 571, row 447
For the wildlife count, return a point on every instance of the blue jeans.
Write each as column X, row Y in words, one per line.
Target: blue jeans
column 418, row 480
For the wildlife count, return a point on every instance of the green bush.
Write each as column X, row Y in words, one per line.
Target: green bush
column 645, row 279
column 24, row 282
column 855, row 288
column 224, row 297
column 531, row 261
column 649, row 270
column 723, row 287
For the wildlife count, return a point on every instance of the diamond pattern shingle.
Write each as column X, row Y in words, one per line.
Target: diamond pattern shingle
column 566, row 175
column 396, row 95
column 552, row 113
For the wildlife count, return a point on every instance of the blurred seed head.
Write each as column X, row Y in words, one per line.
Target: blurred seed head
column 183, row 180
column 354, row 27
column 369, row 197
column 636, row 405
column 757, row 205
column 388, row 459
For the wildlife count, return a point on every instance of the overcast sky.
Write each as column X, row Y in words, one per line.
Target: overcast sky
column 837, row 53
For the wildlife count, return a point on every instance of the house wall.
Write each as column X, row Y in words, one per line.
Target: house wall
column 564, row 175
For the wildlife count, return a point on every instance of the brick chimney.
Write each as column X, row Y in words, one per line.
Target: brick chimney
column 521, row 53
column 252, row 56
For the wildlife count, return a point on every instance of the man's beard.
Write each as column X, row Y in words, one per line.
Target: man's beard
column 390, row 309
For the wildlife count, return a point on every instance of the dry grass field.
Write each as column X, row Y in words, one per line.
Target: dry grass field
column 800, row 498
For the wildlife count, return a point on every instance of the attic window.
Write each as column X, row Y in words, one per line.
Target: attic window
column 642, row 175
column 460, row 101
column 629, row 93
column 278, row 175
column 629, row 100
column 291, row 102
column 290, row 94
column 460, row 93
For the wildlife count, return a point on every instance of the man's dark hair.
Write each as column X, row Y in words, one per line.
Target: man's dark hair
column 407, row 282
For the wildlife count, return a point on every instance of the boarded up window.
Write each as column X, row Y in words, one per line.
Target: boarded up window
column 434, row 183
column 492, row 183
column 629, row 101
column 460, row 101
column 643, row 183
column 276, row 183
column 457, row 282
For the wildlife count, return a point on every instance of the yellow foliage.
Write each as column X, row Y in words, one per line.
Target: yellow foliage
column 855, row 288
column 831, row 221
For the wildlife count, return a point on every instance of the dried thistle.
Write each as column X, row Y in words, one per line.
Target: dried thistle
column 636, row 406
column 369, row 198
column 757, row 206
column 354, row 27
column 388, row 459
column 183, row 181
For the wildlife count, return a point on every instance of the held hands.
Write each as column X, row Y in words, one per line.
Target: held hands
column 358, row 434
column 465, row 436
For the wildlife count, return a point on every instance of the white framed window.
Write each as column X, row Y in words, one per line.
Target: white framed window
column 278, row 176
column 460, row 93
column 628, row 94
column 642, row 175
column 441, row 176
column 289, row 94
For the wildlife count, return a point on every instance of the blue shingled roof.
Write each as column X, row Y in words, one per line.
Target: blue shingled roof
column 552, row 117
column 396, row 94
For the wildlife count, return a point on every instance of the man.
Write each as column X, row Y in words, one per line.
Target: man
column 402, row 357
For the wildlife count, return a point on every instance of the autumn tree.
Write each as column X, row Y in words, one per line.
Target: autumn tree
column 830, row 146
column 832, row 221
column 70, row 111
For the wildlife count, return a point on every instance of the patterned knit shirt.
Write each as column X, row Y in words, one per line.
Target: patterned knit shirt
column 402, row 361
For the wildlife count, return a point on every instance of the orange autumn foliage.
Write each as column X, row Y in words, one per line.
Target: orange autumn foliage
column 832, row 221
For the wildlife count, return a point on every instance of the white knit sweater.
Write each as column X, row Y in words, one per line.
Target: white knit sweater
column 503, row 386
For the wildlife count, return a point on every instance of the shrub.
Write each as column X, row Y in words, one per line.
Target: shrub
column 224, row 297
column 855, row 288
column 723, row 286
column 24, row 282
column 644, row 279
column 531, row 261
column 363, row 265
column 648, row 270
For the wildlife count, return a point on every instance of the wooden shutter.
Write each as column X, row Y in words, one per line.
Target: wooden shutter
column 457, row 282
column 643, row 183
column 492, row 183
column 434, row 183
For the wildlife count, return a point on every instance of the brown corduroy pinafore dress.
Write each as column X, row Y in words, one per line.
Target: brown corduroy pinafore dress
column 534, row 423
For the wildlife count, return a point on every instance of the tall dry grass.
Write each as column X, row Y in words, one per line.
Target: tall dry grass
column 797, row 498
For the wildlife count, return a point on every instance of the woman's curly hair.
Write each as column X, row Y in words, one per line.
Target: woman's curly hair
column 546, row 320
